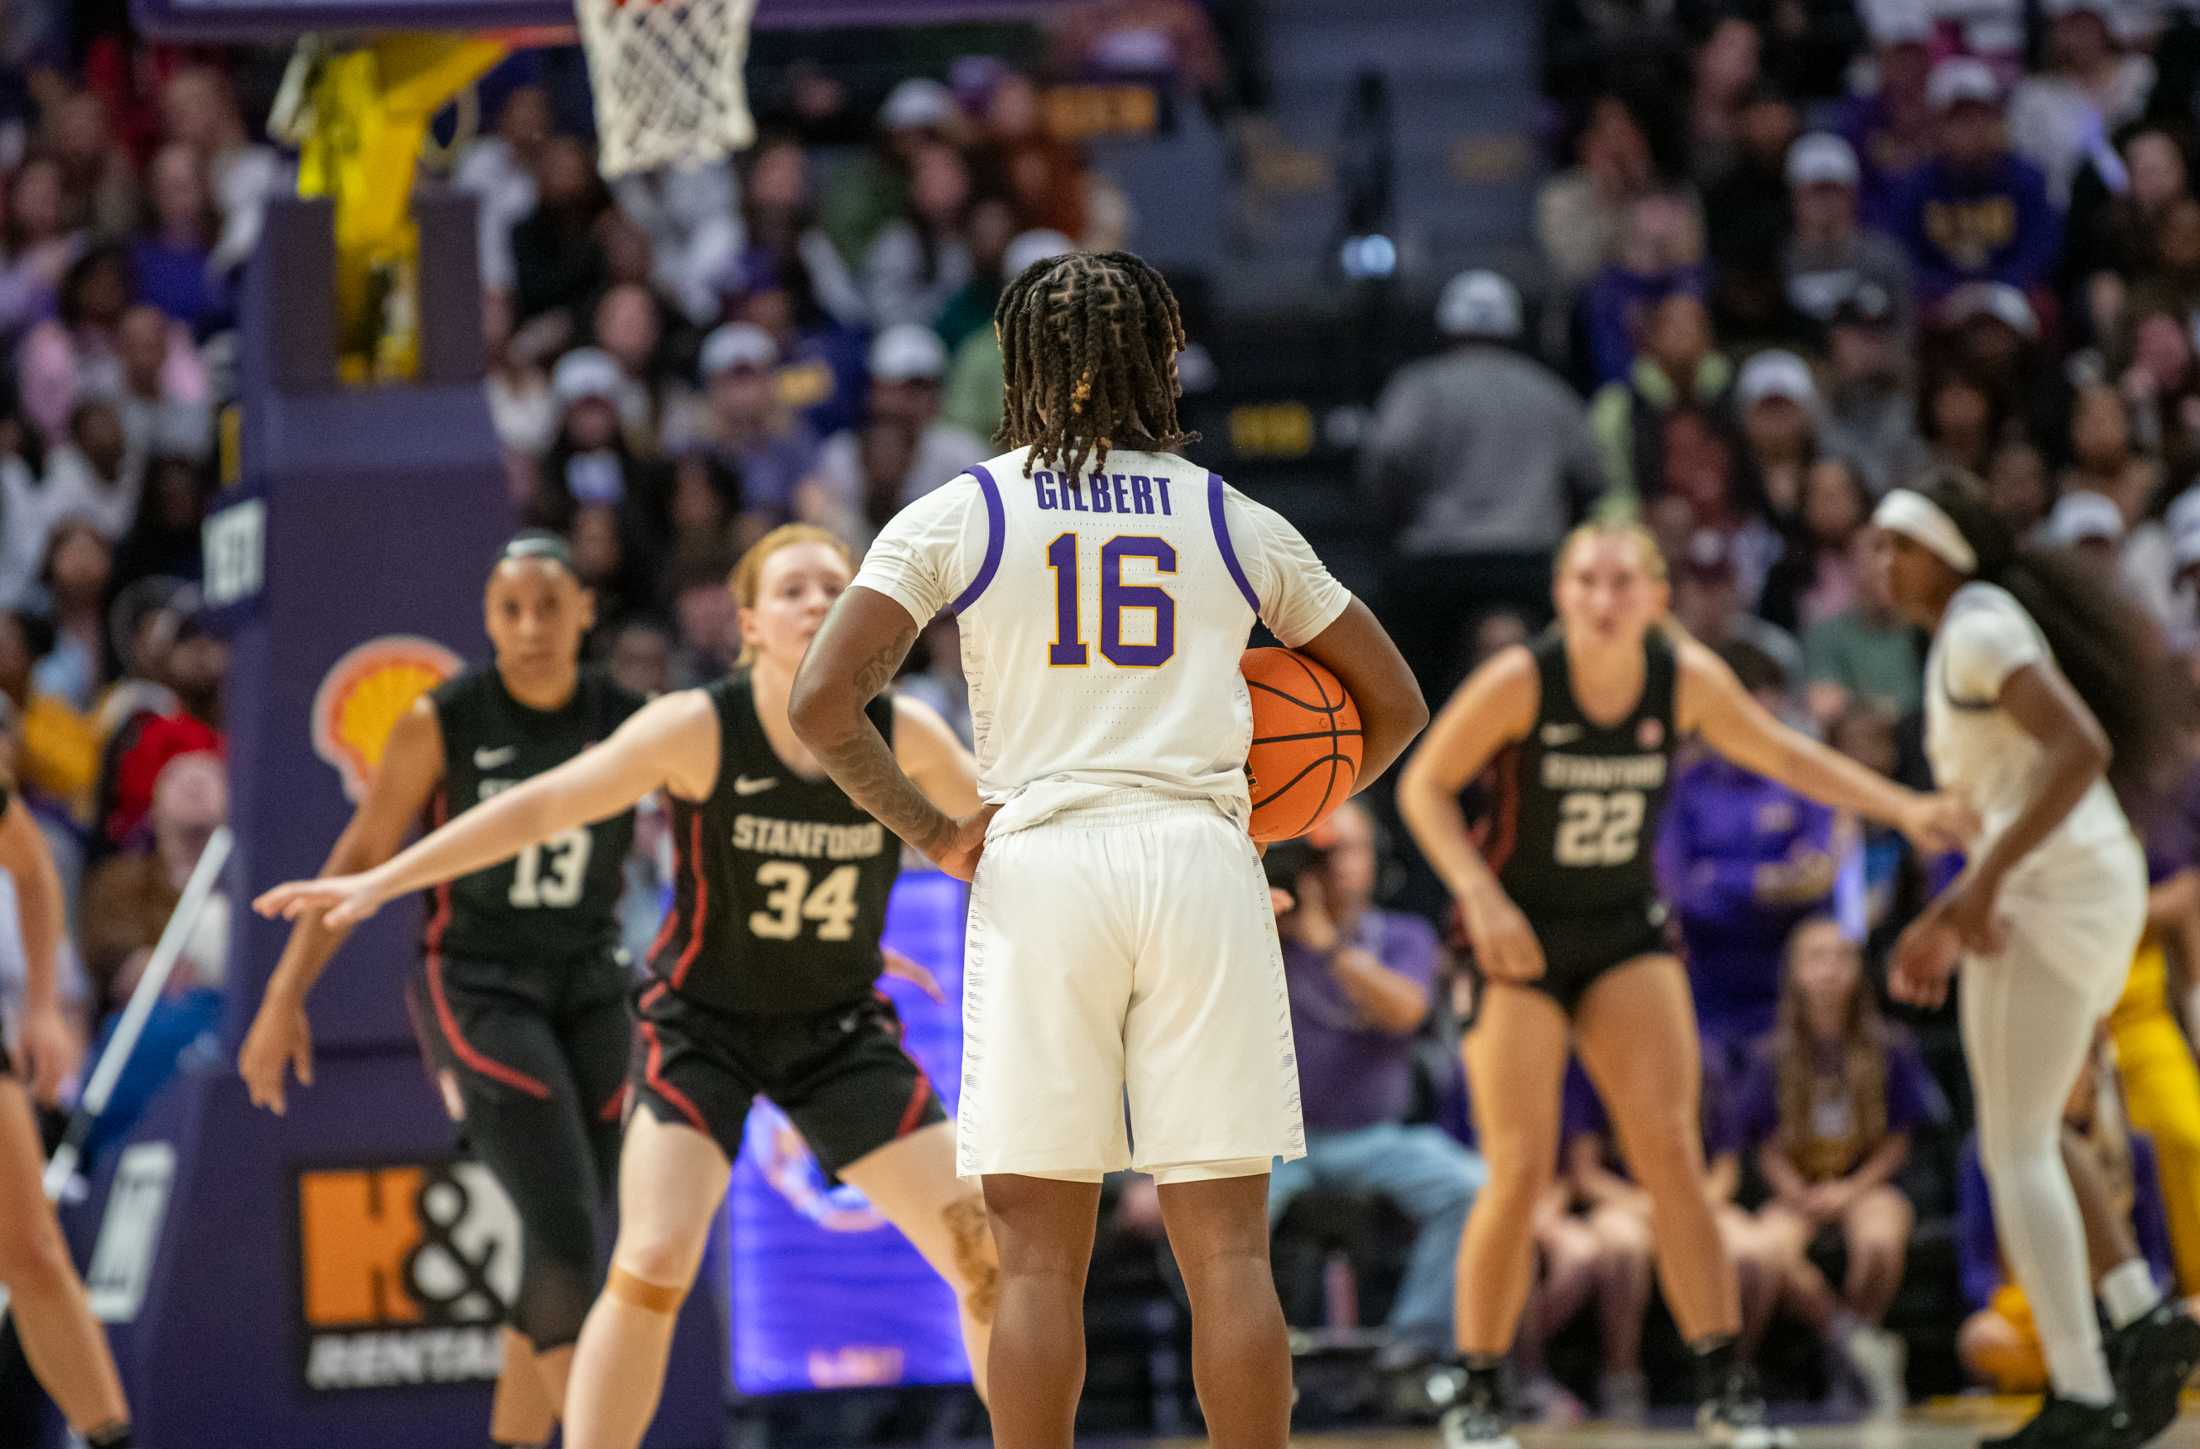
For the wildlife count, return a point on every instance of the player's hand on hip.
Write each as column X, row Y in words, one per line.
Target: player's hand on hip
column 1505, row 945
column 904, row 968
column 344, row 900
column 1923, row 960
column 280, row 1040
column 52, row 1051
column 959, row 857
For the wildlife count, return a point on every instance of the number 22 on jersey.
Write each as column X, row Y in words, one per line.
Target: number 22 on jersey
column 1598, row 829
column 1117, row 598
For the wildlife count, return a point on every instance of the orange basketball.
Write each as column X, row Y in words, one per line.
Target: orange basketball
column 1306, row 742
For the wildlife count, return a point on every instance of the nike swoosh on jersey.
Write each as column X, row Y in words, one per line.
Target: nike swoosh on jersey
column 490, row 759
column 743, row 785
column 1561, row 734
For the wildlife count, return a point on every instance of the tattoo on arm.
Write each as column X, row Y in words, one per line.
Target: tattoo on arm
column 863, row 764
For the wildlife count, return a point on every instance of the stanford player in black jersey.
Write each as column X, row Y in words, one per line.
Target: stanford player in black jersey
column 65, row 1345
column 765, row 974
column 521, row 994
column 1562, row 912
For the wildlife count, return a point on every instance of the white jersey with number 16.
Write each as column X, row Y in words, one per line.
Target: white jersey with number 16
column 1102, row 618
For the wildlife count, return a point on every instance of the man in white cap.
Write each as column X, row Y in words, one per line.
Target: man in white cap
column 2066, row 114
column 742, row 424
column 2088, row 523
column 908, row 367
column 1478, row 451
column 872, row 190
column 1776, row 402
column 1829, row 254
column 974, row 380
column 1975, row 211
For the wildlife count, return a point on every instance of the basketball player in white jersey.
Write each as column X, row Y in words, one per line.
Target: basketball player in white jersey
column 2040, row 693
column 1121, row 938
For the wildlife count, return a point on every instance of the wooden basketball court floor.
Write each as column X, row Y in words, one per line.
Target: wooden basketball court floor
column 1957, row 1424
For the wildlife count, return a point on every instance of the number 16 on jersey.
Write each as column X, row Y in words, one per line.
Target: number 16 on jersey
column 1117, row 598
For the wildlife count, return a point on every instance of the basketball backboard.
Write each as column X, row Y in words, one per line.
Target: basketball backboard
column 280, row 20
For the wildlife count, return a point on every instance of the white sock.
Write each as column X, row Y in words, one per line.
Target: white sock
column 2129, row 1294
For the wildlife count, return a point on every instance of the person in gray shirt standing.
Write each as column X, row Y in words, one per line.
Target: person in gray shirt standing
column 1479, row 461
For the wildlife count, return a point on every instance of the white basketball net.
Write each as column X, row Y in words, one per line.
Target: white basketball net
column 667, row 76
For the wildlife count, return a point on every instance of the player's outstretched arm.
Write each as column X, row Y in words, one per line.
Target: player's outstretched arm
column 857, row 650
column 1713, row 704
column 1358, row 650
column 671, row 742
column 50, row 1045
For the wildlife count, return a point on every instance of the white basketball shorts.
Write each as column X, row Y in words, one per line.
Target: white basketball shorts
column 1125, row 952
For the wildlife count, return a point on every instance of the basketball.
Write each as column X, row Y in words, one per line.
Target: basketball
column 1306, row 742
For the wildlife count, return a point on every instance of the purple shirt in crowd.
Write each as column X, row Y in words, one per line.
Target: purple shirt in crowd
column 1834, row 1143
column 1721, row 825
column 1352, row 1074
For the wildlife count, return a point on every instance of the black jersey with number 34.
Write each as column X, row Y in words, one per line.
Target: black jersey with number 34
column 1575, row 805
column 781, row 886
column 557, row 901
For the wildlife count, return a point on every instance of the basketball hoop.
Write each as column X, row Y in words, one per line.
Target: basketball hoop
column 667, row 75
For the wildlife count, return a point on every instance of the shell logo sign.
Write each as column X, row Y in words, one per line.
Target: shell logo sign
column 365, row 693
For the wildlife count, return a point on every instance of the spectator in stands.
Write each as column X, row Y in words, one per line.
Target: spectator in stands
column 1829, row 257
column 1044, row 179
column 921, row 259
column 709, row 628
column 1361, row 986
column 1730, row 548
column 1678, row 367
column 1832, row 1104
column 1660, row 253
column 2170, row 281
column 1481, row 448
column 1818, row 577
column 2160, row 386
column 521, row 406
column 165, row 540
column 164, row 396
column 172, row 260
column 640, row 656
column 1891, row 127
column 199, row 110
column 75, row 353
column 610, row 560
column 689, row 215
column 1620, row 1223
column 780, row 231
column 629, row 328
column 2113, row 1171
column 1865, row 732
column 1864, row 654
column 1581, row 212
column 974, row 380
column 557, row 261
column 1962, row 420
column 78, row 570
column 41, row 245
column 1741, row 861
column 95, row 475
column 1994, row 333
column 198, row 667
column 499, row 169
column 22, row 517
column 2116, row 211
column 821, row 371
column 2017, row 485
column 1975, row 211
column 870, row 192
column 1776, row 402
column 905, row 449
column 1870, row 413
column 744, row 428
column 57, row 761
column 1756, row 215
column 592, row 461
column 129, row 897
column 990, row 229
column 98, row 181
column 2061, row 117
column 1726, row 81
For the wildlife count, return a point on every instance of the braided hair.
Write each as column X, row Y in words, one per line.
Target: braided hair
column 1088, row 356
column 2105, row 645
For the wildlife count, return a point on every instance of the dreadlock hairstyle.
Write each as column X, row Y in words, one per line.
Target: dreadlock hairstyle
column 1088, row 351
column 2105, row 645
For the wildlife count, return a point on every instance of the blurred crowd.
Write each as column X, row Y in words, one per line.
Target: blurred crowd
column 1792, row 252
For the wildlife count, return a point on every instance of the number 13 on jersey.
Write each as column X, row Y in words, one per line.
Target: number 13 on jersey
column 1117, row 598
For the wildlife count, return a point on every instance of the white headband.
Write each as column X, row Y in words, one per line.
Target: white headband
column 1924, row 522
